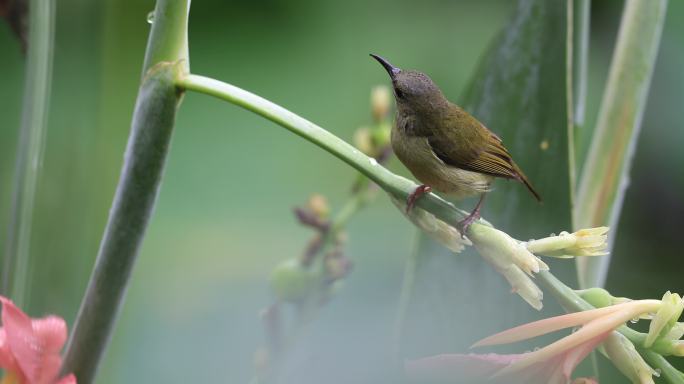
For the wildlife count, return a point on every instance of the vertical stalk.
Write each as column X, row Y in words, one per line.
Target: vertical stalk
column 144, row 160
column 15, row 267
column 580, row 57
column 603, row 181
column 577, row 53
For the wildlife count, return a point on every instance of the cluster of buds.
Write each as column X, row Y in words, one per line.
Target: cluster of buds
column 437, row 229
column 518, row 261
column 585, row 242
column 515, row 260
column 310, row 280
column 511, row 259
column 296, row 280
column 374, row 141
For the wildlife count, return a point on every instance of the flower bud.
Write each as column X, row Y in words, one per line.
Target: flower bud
column 666, row 318
column 380, row 102
column 363, row 141
column 625, row 357
column 292, row 282
column 597, row 297
column 676, row 332
column 336, row 265
column 381, row 135
column 318, row 205
column 438, row 230
column 511, row 259
column 585, row 242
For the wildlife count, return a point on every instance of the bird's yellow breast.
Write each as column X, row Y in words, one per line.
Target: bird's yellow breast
column 415, row 153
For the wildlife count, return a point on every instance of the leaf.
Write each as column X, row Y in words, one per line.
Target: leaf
column 604, row 177
column 520, row 93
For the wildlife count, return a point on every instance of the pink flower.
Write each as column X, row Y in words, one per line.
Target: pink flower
column 29, row 348
column 552, row 364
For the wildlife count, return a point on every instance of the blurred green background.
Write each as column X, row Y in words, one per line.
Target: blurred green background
column 223, row 218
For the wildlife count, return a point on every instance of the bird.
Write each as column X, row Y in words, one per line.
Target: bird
column 443, row 146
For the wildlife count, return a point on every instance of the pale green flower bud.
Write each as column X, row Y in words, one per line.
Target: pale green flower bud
column 511, row 259
column 625, row 357
column 290, row 281
column 585, row 242
column 380, row 102
column 438, row 230
column 597, row 297
column 318, row 204
column 364, row 142
column 666, row 318
column 676, row 332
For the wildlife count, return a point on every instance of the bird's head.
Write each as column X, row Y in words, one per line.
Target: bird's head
column 413, row 90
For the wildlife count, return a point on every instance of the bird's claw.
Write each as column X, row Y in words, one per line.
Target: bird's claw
column 413, row 197
column 463, row 225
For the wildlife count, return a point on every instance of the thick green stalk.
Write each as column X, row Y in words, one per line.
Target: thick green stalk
column 577, row 47
column 15, row 267
column 395, row 185
column 603, row 181
column 136, row 193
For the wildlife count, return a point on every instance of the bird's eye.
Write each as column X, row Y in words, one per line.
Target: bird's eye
column 399, row 93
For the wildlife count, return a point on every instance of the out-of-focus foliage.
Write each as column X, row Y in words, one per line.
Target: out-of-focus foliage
column 224, row 220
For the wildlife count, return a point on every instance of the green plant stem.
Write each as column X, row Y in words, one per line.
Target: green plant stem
column 602, row 185
column 136, row 193
column 577, row 54
column 168, row 39
column 667, row 371
column 15, row 268
column 580, row 58
column 395, row 185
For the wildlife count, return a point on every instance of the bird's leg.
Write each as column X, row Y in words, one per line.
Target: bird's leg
column 463, row 225
column 418, row 192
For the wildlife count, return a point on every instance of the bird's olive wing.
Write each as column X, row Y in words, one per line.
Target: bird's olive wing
column 474, row 149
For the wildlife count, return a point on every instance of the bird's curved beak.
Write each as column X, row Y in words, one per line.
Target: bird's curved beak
column 391, row 70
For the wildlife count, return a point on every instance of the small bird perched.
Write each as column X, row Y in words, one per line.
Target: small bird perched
column 444, row 146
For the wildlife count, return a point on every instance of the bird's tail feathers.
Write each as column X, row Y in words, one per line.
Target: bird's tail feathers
column 529, row 186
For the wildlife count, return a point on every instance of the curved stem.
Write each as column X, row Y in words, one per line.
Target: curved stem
column 395, row 185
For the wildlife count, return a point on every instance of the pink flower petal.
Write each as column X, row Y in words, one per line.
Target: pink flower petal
column 20, row 338
column 598, row 327
column 457, row 367
column 544, row 326
column 576, row 355
column 585, row 380
column 33, row 345
column 68, row 379
column 52, row 331
column 6, row 358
